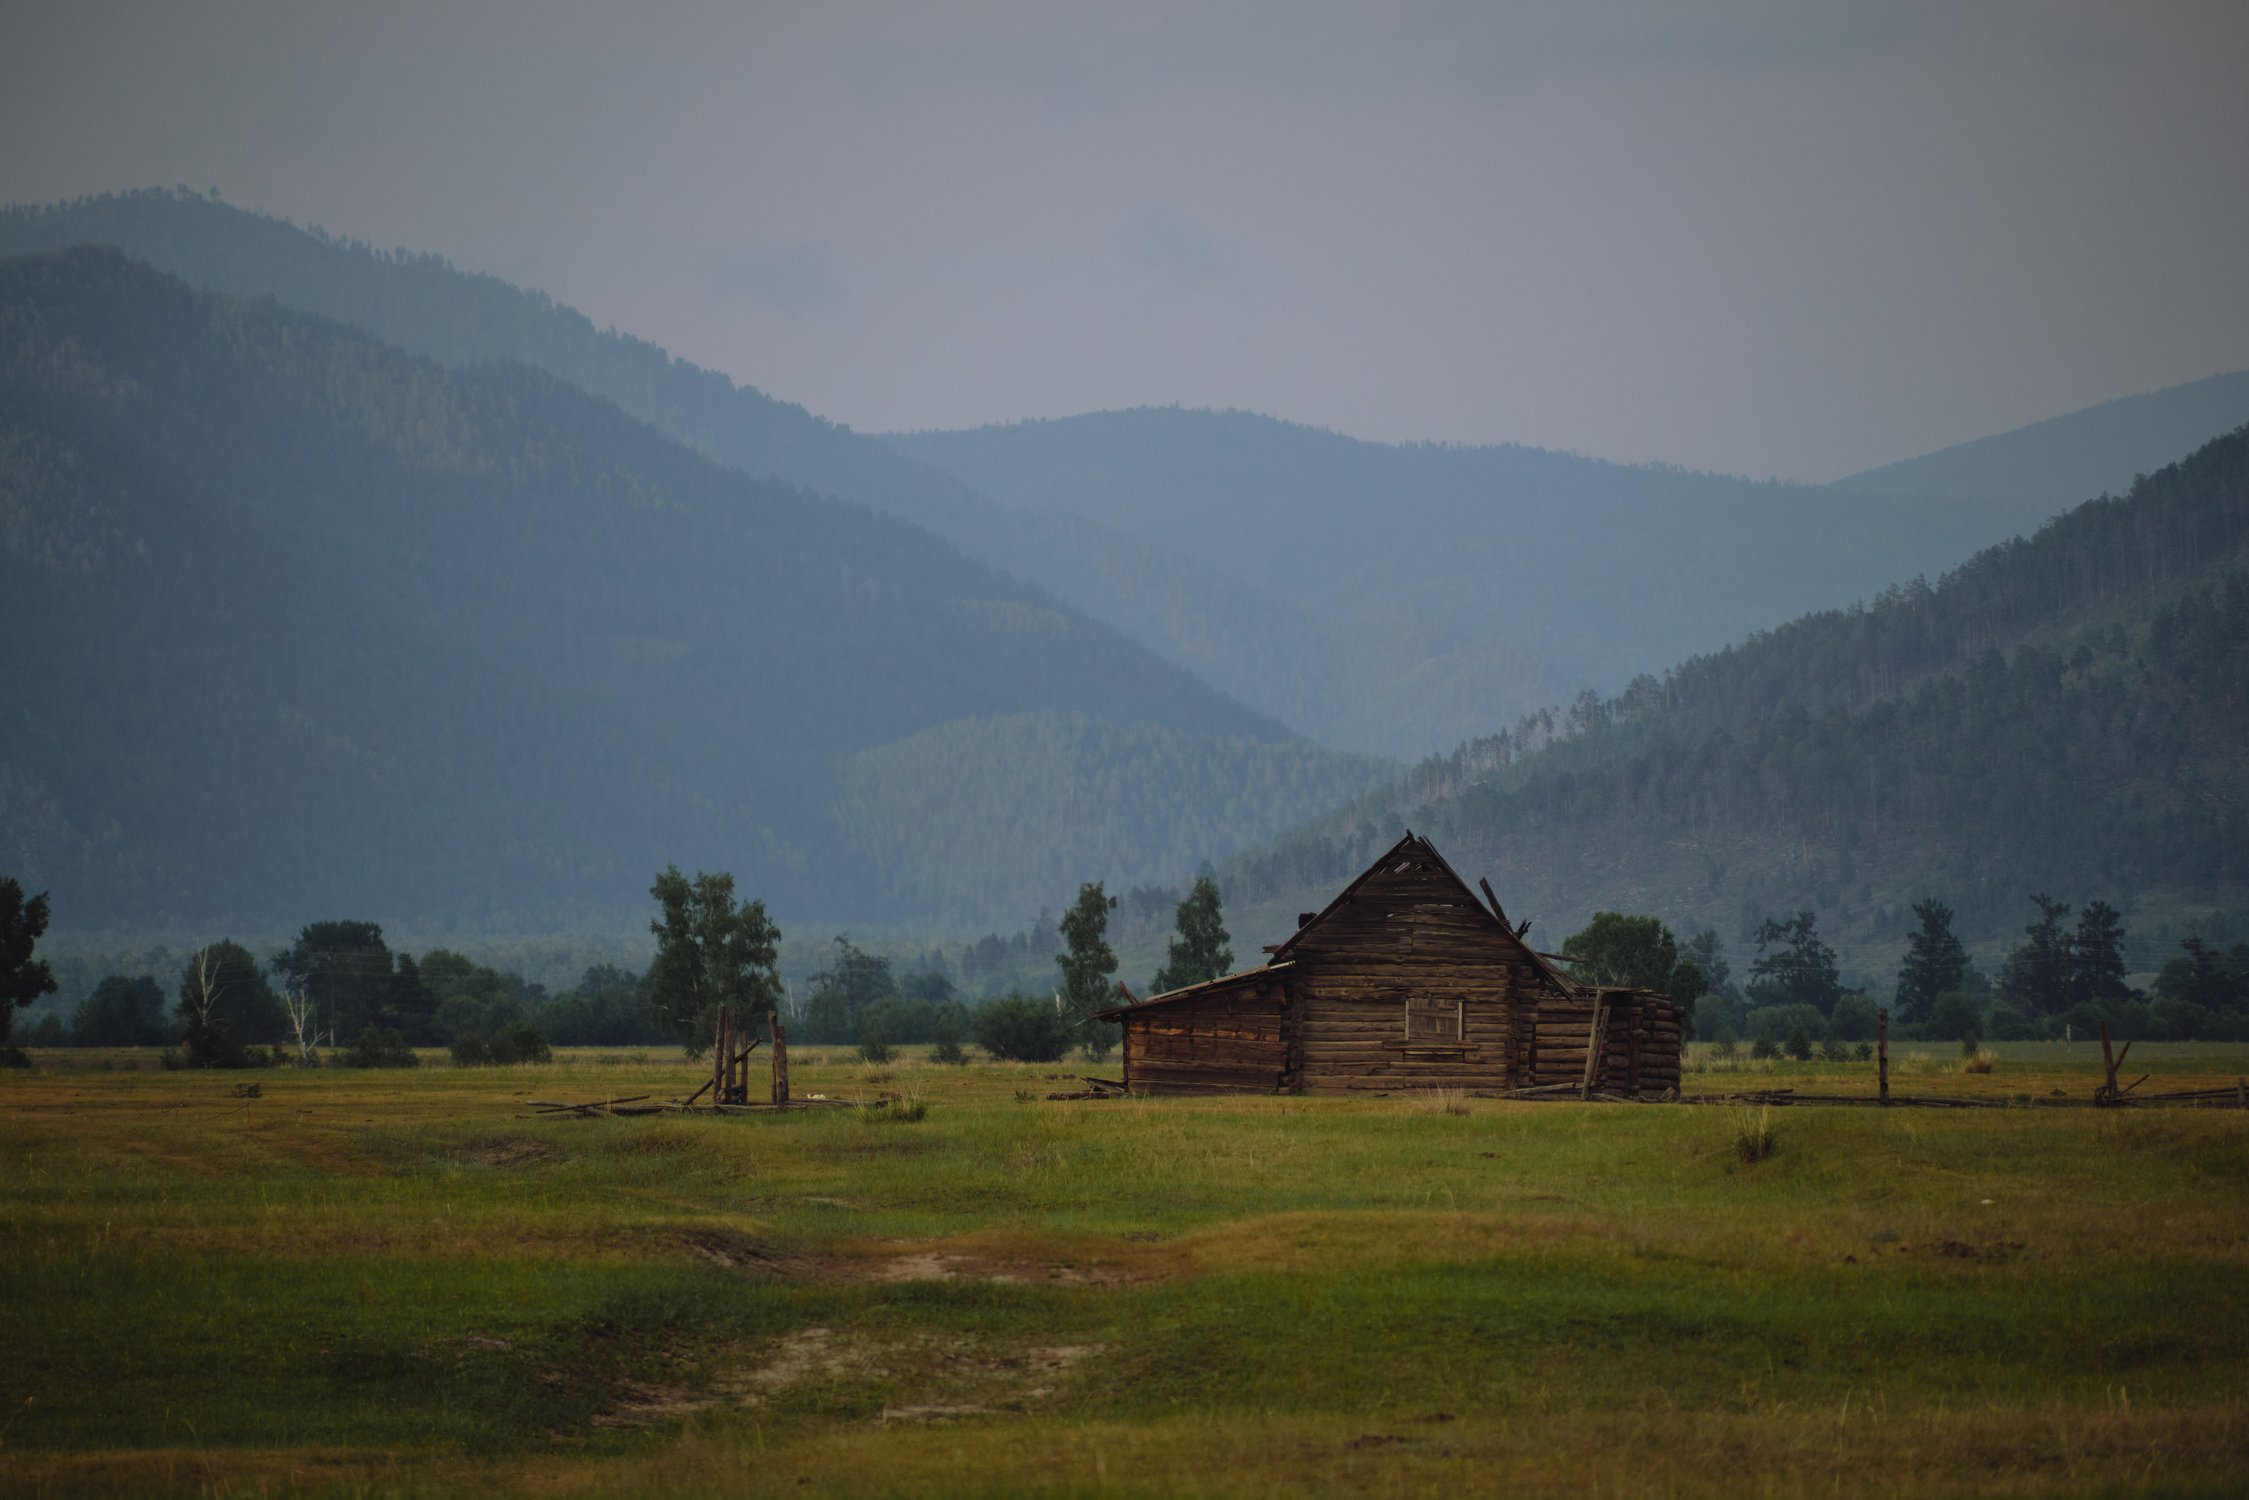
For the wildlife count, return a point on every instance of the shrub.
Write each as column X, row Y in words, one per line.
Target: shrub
column 874, row 1047
column 522, row 1043
column 1763, row 1049
column 519, row 1043
column 380, row 1047
column 1835, row 1050
column 1979, row 1062
column 1863, row 1052
column 1970, row 1044
column 2007, row 1023
column 945, row 1031
column 1954, row 1014
column 1753, row 1136
column 1725, row 1047
column 1022, row 1030
column 1799, row 1042
column 1853, row 1018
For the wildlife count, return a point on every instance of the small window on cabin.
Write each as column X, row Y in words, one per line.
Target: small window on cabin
column 1434, row 1020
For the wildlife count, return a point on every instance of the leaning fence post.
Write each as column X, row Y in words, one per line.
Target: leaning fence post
column 1882, row 1055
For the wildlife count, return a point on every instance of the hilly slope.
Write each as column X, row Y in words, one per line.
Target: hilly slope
column 2099, row 450
column 2065, row 713
column 1349, row 682
column 303, row 625
column 1592, row 569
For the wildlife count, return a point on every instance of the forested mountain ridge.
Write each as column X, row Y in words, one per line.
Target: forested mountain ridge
column 1585, row 571
column 1388, row 599
column 303, row 623
column 1287, row 661
column 2064, row 713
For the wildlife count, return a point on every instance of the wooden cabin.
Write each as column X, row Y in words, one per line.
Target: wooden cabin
column 1406, row 980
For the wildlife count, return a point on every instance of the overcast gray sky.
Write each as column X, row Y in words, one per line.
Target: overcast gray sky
column 1761, row 237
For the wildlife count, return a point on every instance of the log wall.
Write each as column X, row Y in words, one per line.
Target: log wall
column 1641, row 1041
column 1406, row 983
column 1228, row 1042
column 1409, row 934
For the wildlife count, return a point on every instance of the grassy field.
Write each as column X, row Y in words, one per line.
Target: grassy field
column 375, row 1283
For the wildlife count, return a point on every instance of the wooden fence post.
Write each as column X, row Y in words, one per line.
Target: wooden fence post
column 780, row 1059
column 722, row 1047
column 1882, row 1054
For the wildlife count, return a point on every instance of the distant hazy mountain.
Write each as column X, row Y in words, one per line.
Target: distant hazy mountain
column 300, row 625
column 2066, row 713
column 1594, row 571
column 1379, row 598
column 2097, row 451
column 1390, row 681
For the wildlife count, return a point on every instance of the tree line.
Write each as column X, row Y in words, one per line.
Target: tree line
column 339, row 990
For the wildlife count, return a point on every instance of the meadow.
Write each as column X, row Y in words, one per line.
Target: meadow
column 393, row 1282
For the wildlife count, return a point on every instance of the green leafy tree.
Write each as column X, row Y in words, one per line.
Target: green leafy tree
column 2038, row 974
column 709, row 952
column 2200, row 976
column 1934, row 961
column 23, row 979
column 1794, row 966
column 469, row 996
column 1203, row 949
column 121, row 1012
column 2096, row 952
column 854, row 982
column 1087, row 965
column 224, row 998
column 1703, row 952
column 343, row 970
column 242, row 998
column 1638, row 951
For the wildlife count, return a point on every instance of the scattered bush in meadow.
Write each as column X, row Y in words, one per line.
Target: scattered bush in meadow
column 1981, row 1062
column 379, row 1047
column 1753, row 1136
column 519, row 1043
column 1015, row 1029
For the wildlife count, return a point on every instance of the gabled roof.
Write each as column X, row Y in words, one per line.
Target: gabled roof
column 1413, row 845
column 1196, row 991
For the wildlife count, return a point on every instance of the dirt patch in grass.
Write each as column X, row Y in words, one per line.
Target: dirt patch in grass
column 934, row 1378
column 510, row 1153
column 733, row 1250
column 939, row 1265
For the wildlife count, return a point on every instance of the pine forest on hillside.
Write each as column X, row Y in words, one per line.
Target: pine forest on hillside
column 2064, row 713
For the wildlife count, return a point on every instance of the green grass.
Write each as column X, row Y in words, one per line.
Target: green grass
column 391, row 1282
